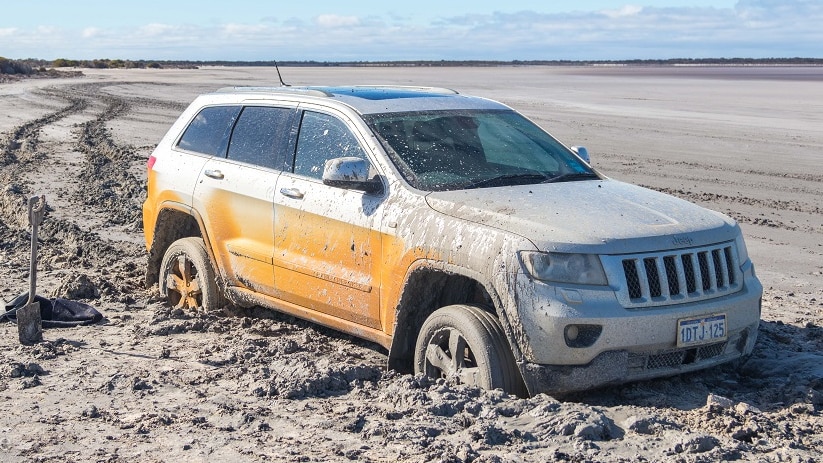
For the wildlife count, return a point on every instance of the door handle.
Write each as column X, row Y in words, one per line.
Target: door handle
column 293, row 193
column 214, row 174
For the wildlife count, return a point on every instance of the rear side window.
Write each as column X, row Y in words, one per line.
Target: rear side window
column 208, row 132
column 258, row 134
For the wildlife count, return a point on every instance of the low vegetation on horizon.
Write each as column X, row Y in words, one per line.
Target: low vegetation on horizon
column 29, row 67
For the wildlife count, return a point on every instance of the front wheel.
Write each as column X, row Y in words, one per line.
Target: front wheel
column 187, row 279
column 467, row 343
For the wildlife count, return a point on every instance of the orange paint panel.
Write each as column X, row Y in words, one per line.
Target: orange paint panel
column 394, row 278
column 327, row 260
column 159, row 200
column 316, row 294
column 238, row 217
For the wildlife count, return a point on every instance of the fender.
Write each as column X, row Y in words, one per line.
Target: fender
column 402, row 312
column 157, row 254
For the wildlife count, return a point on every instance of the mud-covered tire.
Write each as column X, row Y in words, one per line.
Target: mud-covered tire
column 187, row 278
column 467, row 343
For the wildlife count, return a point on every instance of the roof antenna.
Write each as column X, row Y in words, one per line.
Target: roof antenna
column 279, row 76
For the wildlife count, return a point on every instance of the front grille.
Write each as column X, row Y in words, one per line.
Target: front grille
column 680, row 276
column 673, row 359
column 667, row 360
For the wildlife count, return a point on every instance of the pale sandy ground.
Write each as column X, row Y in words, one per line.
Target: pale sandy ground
column 152, row 385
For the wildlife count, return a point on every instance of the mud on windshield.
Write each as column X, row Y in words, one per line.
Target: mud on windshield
column 455, row 150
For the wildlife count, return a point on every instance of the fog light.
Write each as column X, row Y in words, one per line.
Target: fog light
column 581, row 335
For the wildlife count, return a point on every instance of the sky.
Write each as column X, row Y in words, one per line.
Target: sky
column 254, row 30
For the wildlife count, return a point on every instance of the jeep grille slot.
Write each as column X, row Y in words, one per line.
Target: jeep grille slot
column 687, row 275
column 674, row 358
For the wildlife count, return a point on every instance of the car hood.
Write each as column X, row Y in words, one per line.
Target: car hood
column 604, row 216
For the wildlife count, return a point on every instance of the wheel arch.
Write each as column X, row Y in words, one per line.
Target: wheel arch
column 430, row 285
column 174, row 221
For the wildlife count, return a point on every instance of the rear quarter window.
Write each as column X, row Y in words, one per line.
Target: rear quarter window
column 208, row 132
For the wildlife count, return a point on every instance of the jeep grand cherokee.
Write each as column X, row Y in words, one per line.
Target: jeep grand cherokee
column 449, row 229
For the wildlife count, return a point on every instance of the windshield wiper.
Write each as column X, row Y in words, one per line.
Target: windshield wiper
column 505, row 180
column 572, row 177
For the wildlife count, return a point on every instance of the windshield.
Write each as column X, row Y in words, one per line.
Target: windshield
column 455, row 150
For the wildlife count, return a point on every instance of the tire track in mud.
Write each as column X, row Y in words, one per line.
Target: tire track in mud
column 103, row 185
column 20, row 145
column 747, row 172
column 109, row 187
column 773, row 205
column 262, row 386
column 776, row 181
column 18, row 150
column 783, row 181
column 715, row 197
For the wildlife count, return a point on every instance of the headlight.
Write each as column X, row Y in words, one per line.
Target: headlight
column 584, row 269
column 742, row 252
column 743, row 256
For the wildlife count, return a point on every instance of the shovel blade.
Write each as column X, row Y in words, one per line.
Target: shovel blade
column 29, row 324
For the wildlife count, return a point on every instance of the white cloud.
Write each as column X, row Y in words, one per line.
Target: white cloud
column 753, row 28
column 627, row 10
column 244, row 30
column 334, row 21
column 90, row 32
column 47, row 30
column 157, row 30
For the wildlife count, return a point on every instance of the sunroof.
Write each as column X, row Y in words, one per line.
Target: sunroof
column 382, row 93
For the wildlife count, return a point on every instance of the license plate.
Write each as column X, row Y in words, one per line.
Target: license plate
column 705, row 330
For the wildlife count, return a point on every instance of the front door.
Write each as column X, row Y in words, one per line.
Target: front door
column 327, row 248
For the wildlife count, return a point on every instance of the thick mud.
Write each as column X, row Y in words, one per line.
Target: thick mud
column 151, row 383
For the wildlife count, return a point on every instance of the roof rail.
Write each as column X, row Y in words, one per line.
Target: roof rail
column 440, row 90
column 292, row 90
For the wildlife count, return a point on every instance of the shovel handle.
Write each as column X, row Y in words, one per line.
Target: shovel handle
column 37, row 208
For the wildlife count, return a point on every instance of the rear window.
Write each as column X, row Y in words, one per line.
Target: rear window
column 208, row 132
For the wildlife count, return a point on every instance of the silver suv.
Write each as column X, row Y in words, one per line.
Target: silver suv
column 447, row 228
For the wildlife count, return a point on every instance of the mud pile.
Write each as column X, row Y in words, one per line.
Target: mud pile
column 152, row 383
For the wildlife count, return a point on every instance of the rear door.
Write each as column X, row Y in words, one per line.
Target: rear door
column 327, row 246
column 237, row 193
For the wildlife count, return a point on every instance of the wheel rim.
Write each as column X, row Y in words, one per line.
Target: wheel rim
column 183, row 285
column 448, row 355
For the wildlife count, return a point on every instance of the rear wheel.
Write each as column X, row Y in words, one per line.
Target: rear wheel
column 467, row 343
column 187, row 278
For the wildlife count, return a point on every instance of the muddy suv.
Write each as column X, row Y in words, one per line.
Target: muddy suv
column 449, row 229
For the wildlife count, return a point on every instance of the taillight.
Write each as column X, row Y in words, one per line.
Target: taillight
column 151, row 162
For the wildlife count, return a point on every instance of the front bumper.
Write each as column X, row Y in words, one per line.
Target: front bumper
column 627, row 344
column 621, row 366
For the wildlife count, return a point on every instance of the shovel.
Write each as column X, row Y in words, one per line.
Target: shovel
column 29, row 324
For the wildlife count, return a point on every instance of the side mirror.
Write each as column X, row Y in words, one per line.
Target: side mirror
column 582, row 152
column 351, row 173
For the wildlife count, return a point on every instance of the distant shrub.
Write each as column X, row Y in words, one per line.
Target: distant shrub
column 8, row 66
column 65, row 63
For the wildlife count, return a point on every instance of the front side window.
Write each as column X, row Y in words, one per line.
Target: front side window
column 208, row 132
column 323, row 137
column 452, row 150
column 257, row 135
